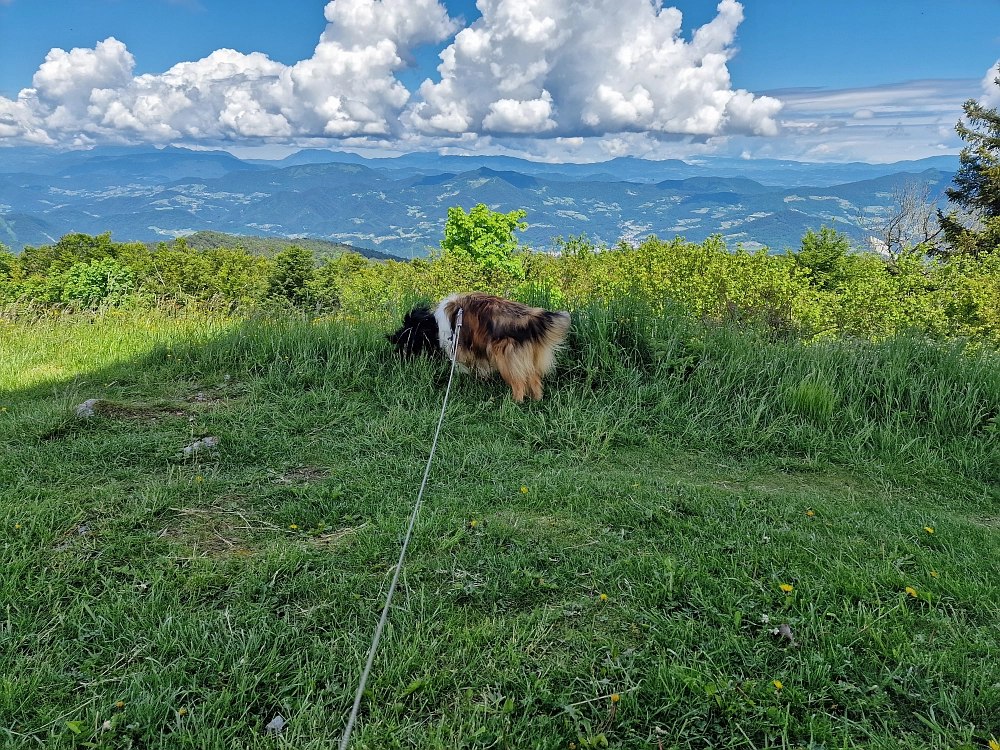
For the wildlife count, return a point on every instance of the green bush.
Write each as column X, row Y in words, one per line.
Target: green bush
column 823, row 290
column 486, row 240
column 101, row 282
column 290, row 273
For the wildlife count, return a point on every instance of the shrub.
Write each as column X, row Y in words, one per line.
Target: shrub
column 486, row 240
column 290, row 274
column 823, row 290
column 101, row 282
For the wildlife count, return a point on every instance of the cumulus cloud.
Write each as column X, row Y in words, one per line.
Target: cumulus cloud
column 347, row 88
column 555, row 68
column 590, row 67
column 991, row 89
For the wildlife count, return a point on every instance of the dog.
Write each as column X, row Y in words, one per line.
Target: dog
column 497, row 335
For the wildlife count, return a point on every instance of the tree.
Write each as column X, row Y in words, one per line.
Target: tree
column 92, row 284
column 486, row 238
column 908, row 226
column 824, row 255
column 293, row 269
column 974, row 227
column 9, row 266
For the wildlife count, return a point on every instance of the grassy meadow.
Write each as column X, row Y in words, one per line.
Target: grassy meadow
column 703, row 536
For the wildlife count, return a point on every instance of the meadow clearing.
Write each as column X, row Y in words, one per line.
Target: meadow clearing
column 703, row 536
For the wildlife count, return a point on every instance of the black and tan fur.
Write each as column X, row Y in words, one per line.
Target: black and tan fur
column 497, row 335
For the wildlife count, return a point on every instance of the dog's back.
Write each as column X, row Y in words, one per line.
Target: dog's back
column 500, row 335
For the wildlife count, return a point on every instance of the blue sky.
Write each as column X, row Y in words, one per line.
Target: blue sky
column 781, row 44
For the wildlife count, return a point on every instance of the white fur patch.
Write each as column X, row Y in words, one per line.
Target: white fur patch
column 444, row 327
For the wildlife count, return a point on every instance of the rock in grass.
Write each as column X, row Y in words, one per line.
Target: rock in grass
column 86, row 409
column 785, row 631
column 199, row 445
column 275, row 725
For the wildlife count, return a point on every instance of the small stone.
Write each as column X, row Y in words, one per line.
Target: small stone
column 785, row 631
column 86, row 409
column 275, row 725
column 198, row 445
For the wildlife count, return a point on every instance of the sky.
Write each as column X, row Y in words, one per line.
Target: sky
column 556, row 80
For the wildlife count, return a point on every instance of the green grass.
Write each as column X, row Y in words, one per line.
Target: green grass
column 683, row 472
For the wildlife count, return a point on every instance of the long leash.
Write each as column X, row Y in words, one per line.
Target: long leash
column 406, row 541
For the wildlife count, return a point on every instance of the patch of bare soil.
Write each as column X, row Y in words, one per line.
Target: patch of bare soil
column 207, row 398
column 227, row 529
column 118, row 410
column 219, row 530
column 334, row 537
column 302, row 474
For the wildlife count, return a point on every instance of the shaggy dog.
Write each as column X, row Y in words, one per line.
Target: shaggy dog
column 497, row 335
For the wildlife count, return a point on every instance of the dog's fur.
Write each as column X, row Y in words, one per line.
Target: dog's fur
column 497, row 335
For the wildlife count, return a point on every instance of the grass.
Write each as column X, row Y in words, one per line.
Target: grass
column 628, row 536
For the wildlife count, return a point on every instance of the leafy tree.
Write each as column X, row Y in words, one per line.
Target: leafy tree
column 291, row 273
column 976, row 191
column 486, row 238
column 70, row 249
column 9, row 266
column 824, row 256
column 104, row 281
column 329, row 280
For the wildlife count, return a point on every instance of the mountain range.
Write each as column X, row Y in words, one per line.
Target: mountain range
column 397, row 206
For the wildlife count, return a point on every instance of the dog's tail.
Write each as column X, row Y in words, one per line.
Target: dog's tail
column 555, row 326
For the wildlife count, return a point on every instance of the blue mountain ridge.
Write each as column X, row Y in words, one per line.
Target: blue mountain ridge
column 398, row 205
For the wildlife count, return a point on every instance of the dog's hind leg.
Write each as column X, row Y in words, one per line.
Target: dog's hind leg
column 509, row 370
column 535, row 386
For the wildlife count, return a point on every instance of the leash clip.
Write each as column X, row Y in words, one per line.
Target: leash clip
column 454, row 334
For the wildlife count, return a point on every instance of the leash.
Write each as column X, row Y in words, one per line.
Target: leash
column 406, row 541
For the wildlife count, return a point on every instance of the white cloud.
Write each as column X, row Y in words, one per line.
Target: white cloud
column 347, row 88
column 577, row 68
column 886, row 123
column 513, row 116
column 991, row 90
column 558, row 68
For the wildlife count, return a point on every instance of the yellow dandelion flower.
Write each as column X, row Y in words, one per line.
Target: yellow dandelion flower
column 4, row 409
column 615, row 697
column 935, row 574
column 183, row 712
column 928, row 529
column 604, row 597
column 17, row 525
column 912, row 592
column 786, row 587
column 778, row 685
column 524, row 490
column 994, row 745
column 197, row 479
column 810, row 512
column 120, row 704
column 472, row 524
column 293, row 527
